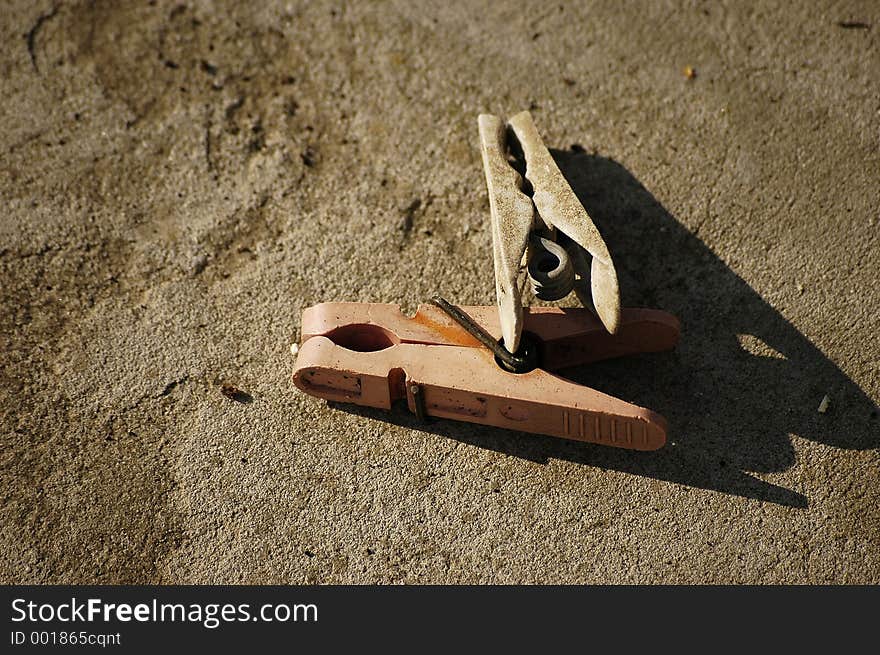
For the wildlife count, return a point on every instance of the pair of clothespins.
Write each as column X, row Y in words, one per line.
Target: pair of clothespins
column 492, row 365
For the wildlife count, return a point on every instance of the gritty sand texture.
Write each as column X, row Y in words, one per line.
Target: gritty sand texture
column 179, row 182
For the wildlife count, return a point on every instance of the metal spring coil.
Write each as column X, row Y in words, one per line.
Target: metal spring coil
column 550, row 269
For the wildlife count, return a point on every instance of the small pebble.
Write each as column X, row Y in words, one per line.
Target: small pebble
column 236, row 394
column 197, row 264
column 294, row 349
column 823, row 406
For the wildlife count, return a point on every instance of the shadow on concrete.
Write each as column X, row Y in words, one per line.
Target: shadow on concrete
column 741, row 381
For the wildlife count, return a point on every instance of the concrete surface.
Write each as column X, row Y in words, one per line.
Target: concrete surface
column 180, row 181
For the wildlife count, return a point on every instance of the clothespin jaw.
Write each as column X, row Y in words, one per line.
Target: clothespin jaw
column 552, row 205
column 512, row 217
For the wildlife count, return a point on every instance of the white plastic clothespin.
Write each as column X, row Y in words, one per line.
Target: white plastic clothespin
column 527, row 220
